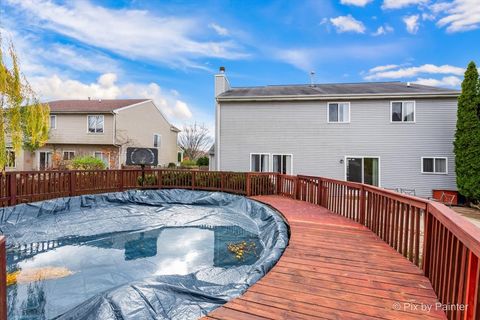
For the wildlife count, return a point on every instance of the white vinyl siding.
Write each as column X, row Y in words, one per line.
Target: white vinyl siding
column 319, row 148
column 338, row 112
column 435, row 165
column 95, row 123
column 402, row 111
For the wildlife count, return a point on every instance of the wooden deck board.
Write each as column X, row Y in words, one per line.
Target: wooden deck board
column 333, row 268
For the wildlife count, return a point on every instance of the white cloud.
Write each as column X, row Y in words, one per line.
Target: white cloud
column 411, row 23
column 428, row 16
column 397, row 4
column 221, row 31
column 382, row 30
column 311, row 58
column 36, row 58
column 106, row 87
column 358, row 3
column 302, row 59
column 459, row 15
column 452, row 76
column 450, row 82
column 347, row 24
column 391, row 72
column 130, row 33
column 383, row 68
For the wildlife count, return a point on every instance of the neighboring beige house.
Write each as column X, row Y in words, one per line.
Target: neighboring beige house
column 103, row 129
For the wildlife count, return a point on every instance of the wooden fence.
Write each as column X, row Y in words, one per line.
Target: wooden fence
column 429, row 234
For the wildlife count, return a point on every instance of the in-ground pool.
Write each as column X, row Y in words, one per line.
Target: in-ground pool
column 150, row 254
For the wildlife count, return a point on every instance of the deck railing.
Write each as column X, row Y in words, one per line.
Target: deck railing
column 429, row 234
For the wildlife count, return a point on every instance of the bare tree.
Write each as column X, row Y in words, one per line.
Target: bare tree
column 194, row 140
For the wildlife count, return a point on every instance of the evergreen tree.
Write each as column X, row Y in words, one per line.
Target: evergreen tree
column 467, row 136
column 24, row 121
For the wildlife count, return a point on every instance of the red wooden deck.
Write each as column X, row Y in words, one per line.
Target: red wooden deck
column 333, row 268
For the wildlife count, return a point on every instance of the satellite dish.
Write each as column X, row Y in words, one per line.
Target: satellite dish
column 142, row 156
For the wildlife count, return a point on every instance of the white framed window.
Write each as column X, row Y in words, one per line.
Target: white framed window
column 53, row 122
column 259, row 162
column 68, row 155
column 104, row 156
column 282, row 163
column 157, row 140
column 179, row 156
column 435, row 165
column 402, row 111
column 95, row 123
column 363, row 169
column 11, row 161
column 45, row 160
column 338, row 112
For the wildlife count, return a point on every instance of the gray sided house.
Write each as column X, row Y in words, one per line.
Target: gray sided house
column 391, row 134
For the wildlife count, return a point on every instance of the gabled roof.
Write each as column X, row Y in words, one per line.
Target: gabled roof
column 92, row 106
column 362, row 89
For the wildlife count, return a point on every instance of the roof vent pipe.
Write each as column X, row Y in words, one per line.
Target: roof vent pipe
column 312, row 78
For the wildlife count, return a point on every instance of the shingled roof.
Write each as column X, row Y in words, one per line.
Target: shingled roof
column 99, row 106
column 336, row 89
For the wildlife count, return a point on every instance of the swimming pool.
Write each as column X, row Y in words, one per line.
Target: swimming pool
column 149, row 254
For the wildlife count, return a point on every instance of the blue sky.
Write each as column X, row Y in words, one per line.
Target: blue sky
column 170, row 50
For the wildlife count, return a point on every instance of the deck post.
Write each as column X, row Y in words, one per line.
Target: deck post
column 320, row 191
column 297, row 189
column 13, row 188
column 248, row 184
column 362, row 197
column 279, row 181
column 3, row 279
column 427, row 222
column 471, row 293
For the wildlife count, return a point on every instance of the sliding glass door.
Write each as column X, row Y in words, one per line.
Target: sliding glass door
column 363, row 170
column 282, row 163
column 44, row 160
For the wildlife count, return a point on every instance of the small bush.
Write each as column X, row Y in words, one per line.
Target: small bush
column 87, row 163
column 203, row 161
column 189, row 163
column 150, row 180
column 171, row 165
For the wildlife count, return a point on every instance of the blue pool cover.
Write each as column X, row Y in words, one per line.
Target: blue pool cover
column 138, row 254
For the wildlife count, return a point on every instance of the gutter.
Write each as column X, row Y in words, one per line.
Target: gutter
column 446, row 94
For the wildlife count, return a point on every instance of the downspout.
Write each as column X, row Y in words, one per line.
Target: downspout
column 217, row 137
column 119, row 166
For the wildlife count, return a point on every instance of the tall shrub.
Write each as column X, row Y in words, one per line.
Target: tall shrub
column 467, row 136
column 24, row 121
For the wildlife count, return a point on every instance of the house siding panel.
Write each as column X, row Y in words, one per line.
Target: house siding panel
column 301, row 129
column 73, row 128
column 136, row 127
